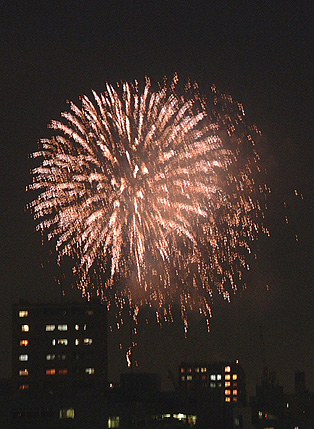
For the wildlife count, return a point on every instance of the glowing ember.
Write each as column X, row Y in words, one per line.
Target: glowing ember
column 154, row 195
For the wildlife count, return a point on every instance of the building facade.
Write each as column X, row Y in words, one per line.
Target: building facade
column 225, row 380
column 59, row 347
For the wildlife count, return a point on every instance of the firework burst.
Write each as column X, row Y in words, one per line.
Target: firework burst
column 152, row 194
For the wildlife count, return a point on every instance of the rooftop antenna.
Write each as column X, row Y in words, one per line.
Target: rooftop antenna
column 261, row 337
column 60, row 281
column 263, row 354
column 128, row 355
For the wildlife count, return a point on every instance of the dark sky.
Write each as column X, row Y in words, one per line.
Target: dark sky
column 261, row 53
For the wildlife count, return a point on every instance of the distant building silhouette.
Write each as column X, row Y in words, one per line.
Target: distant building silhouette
column 299, row 383
column 268, row 404
column 299, row 407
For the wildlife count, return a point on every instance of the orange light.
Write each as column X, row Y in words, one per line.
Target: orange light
column 24, row 387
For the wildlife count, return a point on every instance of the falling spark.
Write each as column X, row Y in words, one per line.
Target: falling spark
column 156, row 196
column 128, row 357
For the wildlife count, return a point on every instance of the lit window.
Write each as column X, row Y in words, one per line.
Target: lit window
column 235, row 392
column 192, row 419
column 23, row 313
column 189, row 369
column 227, row 392
column 66, row 413
column 77, row 341
column 227, row 377
column 63, row 371
column 203, row 369
column 113, row 422
column 227, row 384
column 51, row 371
column 88, row 341
column 227, row 369
column 62, row 327
column 235, row 399
column 89, row 370
column 234, row 377
column 179, row 416
column 25, row 328
column 50, row 357
column 76, row 327
column 50, row 327
column 204, row 377
column 182, row 369
column 24, row 343
column 84, row 327
column 182, row 377
column 227, row 399
column 189, row 377
column 23, row 386
column 213, row 377
column 63, row 341
column 23, row 357
column 23, row 372
column 218, row 376
column 62, row 357
column 212, row 385
column 197, row 370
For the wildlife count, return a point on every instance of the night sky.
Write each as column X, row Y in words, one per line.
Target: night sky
column 259, row 52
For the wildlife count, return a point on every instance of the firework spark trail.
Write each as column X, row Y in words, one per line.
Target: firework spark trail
column 152, row 194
